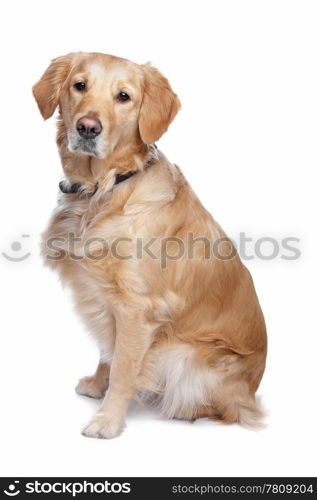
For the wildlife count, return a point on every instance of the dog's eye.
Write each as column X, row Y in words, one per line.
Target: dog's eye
column 123, row 97
column 80, row 86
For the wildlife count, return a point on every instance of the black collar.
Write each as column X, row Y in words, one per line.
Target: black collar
column 67, row 188
column 123, row 177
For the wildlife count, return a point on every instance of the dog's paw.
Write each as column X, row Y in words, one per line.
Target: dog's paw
column 87, row 386
column 101, row 426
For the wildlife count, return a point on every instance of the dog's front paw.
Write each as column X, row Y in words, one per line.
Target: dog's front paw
column 87, row 386
column 101, row 426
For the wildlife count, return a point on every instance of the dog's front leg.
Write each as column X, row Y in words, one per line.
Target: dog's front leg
column 133, row 338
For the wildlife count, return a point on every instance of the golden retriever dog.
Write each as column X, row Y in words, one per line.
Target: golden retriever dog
column 154, row 277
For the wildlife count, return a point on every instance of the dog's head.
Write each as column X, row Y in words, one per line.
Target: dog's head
column 106, row 101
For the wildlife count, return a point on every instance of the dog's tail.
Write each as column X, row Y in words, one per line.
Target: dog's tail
column 248, row 414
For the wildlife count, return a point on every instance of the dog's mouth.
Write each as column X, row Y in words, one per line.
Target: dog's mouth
column 86, row 146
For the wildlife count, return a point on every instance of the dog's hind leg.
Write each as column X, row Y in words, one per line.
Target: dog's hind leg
column 96, row 385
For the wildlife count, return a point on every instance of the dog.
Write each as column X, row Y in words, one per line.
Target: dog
column 154, row 277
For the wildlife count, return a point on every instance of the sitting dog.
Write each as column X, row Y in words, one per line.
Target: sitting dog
column 154, row 277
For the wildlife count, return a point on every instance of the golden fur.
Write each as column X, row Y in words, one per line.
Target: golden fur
column 186, row 333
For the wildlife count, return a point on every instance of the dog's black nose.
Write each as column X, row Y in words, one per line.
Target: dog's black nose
column 88, row 127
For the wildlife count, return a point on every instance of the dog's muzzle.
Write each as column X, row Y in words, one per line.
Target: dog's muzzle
column 85, row 139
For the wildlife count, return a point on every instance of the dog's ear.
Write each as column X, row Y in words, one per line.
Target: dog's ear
column 159, row 105
column 47, row 90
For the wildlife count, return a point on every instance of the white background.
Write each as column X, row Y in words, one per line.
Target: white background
column 245, row 72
